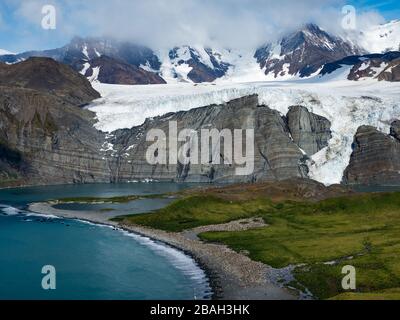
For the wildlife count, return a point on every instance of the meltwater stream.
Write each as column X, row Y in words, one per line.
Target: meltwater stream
column 91, row 261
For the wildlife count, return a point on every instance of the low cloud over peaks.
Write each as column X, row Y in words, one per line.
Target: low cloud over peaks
column 164, row 24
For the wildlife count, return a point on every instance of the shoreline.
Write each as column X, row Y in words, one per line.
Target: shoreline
column 231, row 275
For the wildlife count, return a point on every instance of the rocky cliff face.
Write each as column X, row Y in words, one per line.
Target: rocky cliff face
column 45, row 137
column 375, row 157
column 51, row 141
column 276, row 154
column 395, row 129
column 309, row 131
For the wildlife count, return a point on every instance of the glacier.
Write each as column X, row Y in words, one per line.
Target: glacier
column 347, row 104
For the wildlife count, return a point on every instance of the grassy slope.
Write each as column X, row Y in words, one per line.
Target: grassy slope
column 366, row 227
column 194, row 211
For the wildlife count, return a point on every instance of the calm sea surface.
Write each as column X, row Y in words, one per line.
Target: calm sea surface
column 91, row 261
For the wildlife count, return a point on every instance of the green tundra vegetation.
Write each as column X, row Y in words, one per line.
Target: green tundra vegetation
column 319, row 237
column 194, row 211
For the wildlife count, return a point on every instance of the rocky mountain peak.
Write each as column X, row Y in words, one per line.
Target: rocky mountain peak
column 197, row 64
column 313, row 35
column 299, row 54
column 81, row 51
column 302, row 53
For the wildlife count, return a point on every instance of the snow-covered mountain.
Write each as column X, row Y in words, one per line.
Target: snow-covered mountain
column 140, row 63
column 86, row 49
column 105, row 69
column 303, row 53
column 298, row 55
column 194, row 64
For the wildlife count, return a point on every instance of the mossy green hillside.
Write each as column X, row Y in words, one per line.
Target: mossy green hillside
column 362, row 230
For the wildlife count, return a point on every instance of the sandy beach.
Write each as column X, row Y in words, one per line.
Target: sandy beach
column 232, row 275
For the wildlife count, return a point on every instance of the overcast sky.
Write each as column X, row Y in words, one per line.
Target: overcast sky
column 166, row 23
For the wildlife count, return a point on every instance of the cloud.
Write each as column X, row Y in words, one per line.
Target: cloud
column 167, row 23
column 232, row 23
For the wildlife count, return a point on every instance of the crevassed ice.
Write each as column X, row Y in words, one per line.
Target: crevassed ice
column 347, row 104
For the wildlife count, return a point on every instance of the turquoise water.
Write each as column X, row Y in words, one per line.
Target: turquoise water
column 361, row 188
column 92, row 262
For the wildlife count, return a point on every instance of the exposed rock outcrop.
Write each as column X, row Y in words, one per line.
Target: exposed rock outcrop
column 204, row 64
column 45, row 137
column 309, row 131
column 375, row 157
column 395, row 129
column 113, row 71
column 48, row 140
column 384, row 67
column 50, row 77
column 391, row 72
column 276, row 157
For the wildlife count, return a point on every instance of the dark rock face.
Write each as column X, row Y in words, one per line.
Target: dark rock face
column 375, row 158
column 276, row 157
column 309, row 131
column 279, row 155
column 303, row 52
column 200, row 72
column 48, row 140
column 395, row 129
column 50, row 77
column 12, row 165
column 112, row 71
column 391, row 72
column 45, row 137
column 378, row 68
column 384, row 67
